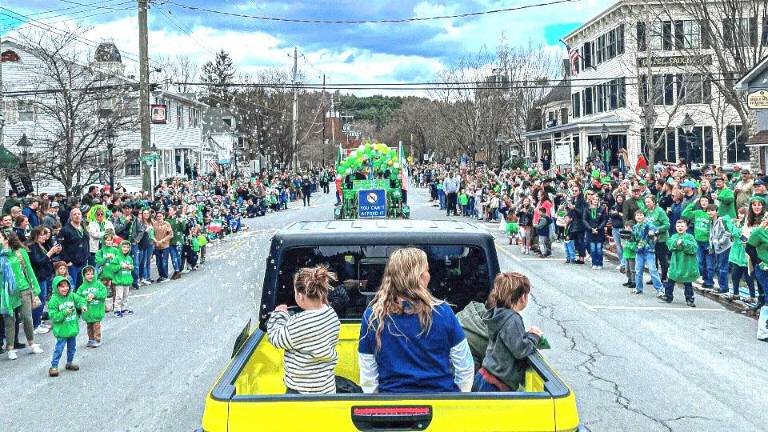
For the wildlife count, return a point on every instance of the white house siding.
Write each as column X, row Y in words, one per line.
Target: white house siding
column 627, row 121
column 168, row 138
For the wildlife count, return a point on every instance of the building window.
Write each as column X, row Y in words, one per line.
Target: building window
column 691, row 34
column 736, row 141
column 655, row 36
column 586, row 54
column 693, row 89
column 698, row 147
column 26, row 111
column 660, row 152
column 662, row 87
column 740, row 32
column 600, row 92
column 600, row 51
column 132, row 163
column 576, row 105
column 563, row 115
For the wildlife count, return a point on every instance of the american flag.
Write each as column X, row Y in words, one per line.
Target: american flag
column 573, row 56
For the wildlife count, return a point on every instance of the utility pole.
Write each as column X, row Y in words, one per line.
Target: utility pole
column 294, row 122
column 325, row 120
column 146, row 175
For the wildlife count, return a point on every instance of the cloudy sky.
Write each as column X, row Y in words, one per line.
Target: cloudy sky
column 346, row 53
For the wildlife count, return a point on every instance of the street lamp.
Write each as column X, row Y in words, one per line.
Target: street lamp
column 499, row 143
column 687, row 125
column 111, row 136
column 25, row 145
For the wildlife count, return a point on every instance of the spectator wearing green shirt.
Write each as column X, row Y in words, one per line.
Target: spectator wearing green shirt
column 464, row 202
column 724, row 199
column 698, row 213
column 660, row 220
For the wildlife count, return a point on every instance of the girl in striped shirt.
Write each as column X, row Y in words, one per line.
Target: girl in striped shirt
column 309, row 337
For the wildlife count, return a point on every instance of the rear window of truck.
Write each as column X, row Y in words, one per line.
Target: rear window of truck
column 459, row 274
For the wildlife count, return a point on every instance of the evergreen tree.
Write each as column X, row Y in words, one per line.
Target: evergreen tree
column 220, row 71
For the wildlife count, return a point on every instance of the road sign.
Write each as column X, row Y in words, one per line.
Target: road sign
column 372, row 203
column 150, row 157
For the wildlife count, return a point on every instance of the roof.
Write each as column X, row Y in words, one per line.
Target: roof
column 560, row 92
column 595, row 19
column 213, row 121
column 752, row 74
column 382, row 232
column 608, row 119
column 758, row 140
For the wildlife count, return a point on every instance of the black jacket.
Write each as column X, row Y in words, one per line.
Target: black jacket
column 41, row 262
column 577, row 213
column 596, row 219
column 74, row 245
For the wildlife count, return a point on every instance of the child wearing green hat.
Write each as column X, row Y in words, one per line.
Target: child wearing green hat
column 95, row 294
column 683, row 267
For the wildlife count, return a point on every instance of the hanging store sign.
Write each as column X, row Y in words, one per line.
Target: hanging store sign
column 159, row 114
column 670, row 61
column 758, row 100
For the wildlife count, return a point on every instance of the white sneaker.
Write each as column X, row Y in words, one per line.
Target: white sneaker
column 185, row 271
column 35, row 349
column 146, row 282
column 594, row 267
column 41, row 330
column 12, row 355
column 618, row 267
column 48, row 326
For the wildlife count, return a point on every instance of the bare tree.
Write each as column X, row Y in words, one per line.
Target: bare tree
column 78, row 107
column 180, row 71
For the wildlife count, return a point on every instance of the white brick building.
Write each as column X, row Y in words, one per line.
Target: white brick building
column 611, row 85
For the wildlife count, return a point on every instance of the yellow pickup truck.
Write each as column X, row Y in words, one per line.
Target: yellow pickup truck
column 249, row 395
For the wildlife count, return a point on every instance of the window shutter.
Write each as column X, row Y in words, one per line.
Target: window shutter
column 706, row 90
column 620, row 40
column 753, row 31
column 641, row 37
column 704, row 31
column 679, row 36
column 666, row 34
column 728, row 32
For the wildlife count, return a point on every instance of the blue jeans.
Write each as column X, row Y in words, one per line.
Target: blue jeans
column 146, row 261
column 570, row 250
column 161, row 261
column 643, row 259
column 737, row 273
column 580, row 243
column 175, row 258
column 616, row 233
column 441, row 198
column 75, row 274
column 37, row 314
column 136, row 255
column 669, row 289
column 71, row 344
column 706, row 263
column 721, row 262
column 596, row 252
column 481, row 385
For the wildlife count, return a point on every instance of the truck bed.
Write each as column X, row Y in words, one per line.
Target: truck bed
column 250, row 396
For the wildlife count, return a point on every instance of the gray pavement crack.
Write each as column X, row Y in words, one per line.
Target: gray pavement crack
column 547, row 312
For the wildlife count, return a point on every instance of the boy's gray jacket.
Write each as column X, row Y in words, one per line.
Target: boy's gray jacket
column 509, row 346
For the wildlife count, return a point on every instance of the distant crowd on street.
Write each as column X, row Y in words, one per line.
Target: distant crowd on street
column 70, row 258
column 682, row 225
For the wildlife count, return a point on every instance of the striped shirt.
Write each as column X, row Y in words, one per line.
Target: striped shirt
column 309, row 339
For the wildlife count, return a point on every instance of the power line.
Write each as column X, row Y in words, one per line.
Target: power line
column 372, row 21
column 73, row 7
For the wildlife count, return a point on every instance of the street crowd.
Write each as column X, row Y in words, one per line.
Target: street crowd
column 71, row 258
column 682, row 225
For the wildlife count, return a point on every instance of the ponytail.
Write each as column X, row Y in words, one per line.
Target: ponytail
column 315, row 282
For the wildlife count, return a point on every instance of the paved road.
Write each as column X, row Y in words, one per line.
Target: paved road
column 634, row 364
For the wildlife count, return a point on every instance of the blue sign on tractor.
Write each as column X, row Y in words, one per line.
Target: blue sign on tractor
column 372, row 203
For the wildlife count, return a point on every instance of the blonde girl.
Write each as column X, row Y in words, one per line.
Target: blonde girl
column 411, row 342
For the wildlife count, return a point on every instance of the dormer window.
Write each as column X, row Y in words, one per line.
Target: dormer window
column 228, row 122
